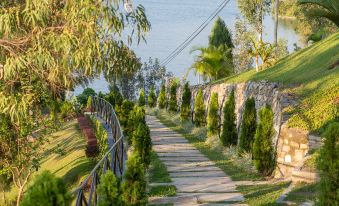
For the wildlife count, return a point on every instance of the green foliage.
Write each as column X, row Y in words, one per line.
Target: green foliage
column 136, row 116
column 213, row 62
column 152, row 99
column 213, row 116
column 162, row 100
column 142, row 143
column 173, row 105
column 142, row 100
column 114, row 98
column 185, row 108
column 326, row 9
column 199, row 109
column 67, row 110
column 248, row 126
column 47, row 190
column 328, row 166
column 83, row 97
column 220, row 35
column 101, row 135
column 263, row 150
column 134, row 185
column 89, row 103
column 109, row 190
column 229, row 130
column 126, row 107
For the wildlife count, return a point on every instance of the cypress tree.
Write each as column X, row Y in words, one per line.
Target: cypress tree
column 199, row 109
column 248, row 126
column 142, row 143
column 109, row 190
column 263, row 151
column 229, row 129
column 328, row 166
column 89, row 103
column 162, row 101
column 213, row 117
column 152, row 99
column 173, row 106
column 134, row 185
column 185, row 102
column 136, row 116
column 220, row 35
column 142, row 101
column 126, row 107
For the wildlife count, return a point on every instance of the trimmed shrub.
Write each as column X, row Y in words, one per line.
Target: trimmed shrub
column 263, row 151
column 47, row 189
column 136, row 116
column 248, row 127
column 199, row 110
column 109, row 193
column 142, row 143
column 328, row 166
column 173, row 106
column 141, row 100
column 212, row 116
column 126, row 107
column 162, row 101
column 134, row 185
column 152, row 99
column 229, row 130
column 185, row 102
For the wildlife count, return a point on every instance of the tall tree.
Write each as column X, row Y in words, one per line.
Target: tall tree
column 229, row 130
column 185, row 102
column 173, row 104
column 199, row 109
column 213, row 116
column 254, row 12
column 47, row 47
column 162, row 99
column 220, row 35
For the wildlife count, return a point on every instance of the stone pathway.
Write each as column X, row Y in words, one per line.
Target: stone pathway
column 197, row 179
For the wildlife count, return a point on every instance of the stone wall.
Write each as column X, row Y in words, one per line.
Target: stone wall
column 292, row 145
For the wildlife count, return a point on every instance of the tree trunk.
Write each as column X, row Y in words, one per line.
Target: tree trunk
column 276, row 22
column 257, row 63
column 18, row 199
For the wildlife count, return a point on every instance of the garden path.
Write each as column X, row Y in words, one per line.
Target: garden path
column 197, row 179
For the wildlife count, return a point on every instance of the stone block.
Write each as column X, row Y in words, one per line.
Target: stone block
column 294, row 144
column 286, row 141
column 299, row 155
column 288, row 158
column 286, row 148
column 303, row 146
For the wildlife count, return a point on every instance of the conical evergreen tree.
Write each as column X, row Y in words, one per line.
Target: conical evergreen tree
column 152, row 99
column 229, row 131
column 248, row 127
column 142, row 101
column 142, row 143
column 173, row 105
column 213, row 116
column 220, row 35
column 263, row 151
column 185, row 102
column 199, row 109
column 162, row 101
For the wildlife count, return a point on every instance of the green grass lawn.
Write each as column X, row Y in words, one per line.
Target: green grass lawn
column 307, row 74
column 64, row 155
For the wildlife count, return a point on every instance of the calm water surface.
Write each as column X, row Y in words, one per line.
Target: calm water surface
column 174, row 20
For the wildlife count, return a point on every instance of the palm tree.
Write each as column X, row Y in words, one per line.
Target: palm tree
column 264, row 50
column 213, row 62
column 328, row 9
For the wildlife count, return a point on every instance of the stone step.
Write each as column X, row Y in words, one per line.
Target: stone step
column 183, row 159
column 211, row 188
column 180, row 154
column 198, row 174
column 192, row 168
column 304, row 176
column 188, row 164
column 201, row 180
column 214, row 197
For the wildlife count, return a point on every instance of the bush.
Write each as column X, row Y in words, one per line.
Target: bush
column 199, row 109
column 83, row 97
column 115, row 99
column 229, row 130
column 212, row 116
column 136, row 116
column 328, row 166
column 162, row 101
column 142, row 143
column 263, row 151
column 134, row 185
column 173, row 106
column 101, row 136
column 47, row 189
column 66, row 110
column 142, row 101
column 109, row 190
column 126, row 108
column 248, row 127
column 185, row 103
column 89, row 103
column 152, row 99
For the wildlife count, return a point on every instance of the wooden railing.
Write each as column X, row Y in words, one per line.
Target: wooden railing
column 113, row 160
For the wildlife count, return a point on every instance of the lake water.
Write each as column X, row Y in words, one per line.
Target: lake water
column 174, row 20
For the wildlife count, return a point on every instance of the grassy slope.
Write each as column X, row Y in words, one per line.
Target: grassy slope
column 307, row 72
column 73, row 166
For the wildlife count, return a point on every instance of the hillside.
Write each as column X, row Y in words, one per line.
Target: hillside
column 309, row 74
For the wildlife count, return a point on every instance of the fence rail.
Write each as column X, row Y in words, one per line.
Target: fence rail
column 113, row 160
